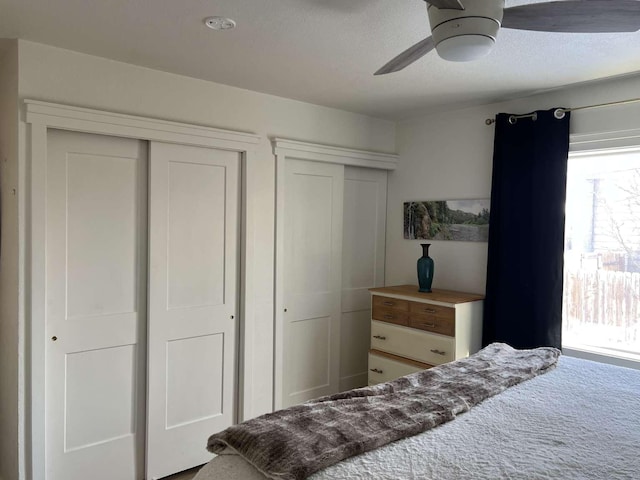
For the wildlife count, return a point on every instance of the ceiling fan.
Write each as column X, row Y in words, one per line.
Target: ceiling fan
column 464, row 30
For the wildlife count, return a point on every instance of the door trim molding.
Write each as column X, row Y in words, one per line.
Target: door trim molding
column 41, row 116
column 316, row 152
column 78, row 119
column 285, row 149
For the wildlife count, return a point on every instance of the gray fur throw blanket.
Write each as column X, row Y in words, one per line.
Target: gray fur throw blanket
column 293, row 443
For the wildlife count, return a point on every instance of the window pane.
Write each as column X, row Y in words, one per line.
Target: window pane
column 601, row 303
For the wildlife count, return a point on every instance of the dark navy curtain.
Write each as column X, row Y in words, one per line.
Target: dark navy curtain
column 523, row 305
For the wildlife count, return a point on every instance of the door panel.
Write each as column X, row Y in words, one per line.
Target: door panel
column 96, row 306
column 365, row 205
column 196, row 234
column 95, row 253
column 101, row 384
column 193, row 261
column 202, row 357
column 312, row 277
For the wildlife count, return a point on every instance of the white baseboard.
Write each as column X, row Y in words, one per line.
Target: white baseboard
column 351, row 382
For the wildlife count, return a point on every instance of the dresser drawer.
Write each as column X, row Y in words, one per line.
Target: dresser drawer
column 384, row 314
column 383, row 369
column 415, row 344
column 392, row 303
column 433, row 323
column 435, row 310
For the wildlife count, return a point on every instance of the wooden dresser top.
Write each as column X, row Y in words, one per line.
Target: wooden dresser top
column 437, row 295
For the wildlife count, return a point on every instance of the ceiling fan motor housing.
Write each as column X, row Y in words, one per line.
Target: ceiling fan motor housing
column 465, row 35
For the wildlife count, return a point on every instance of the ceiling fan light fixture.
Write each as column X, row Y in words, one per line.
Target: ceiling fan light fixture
column 465, row 48
column 466, row 35
column 463, row 30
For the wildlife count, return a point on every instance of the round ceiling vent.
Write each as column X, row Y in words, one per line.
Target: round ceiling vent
column 219, row 23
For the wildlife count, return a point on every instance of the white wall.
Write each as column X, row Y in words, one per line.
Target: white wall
column 449, row 156
column 57, row 75
column 9, row 256
column 442, row 156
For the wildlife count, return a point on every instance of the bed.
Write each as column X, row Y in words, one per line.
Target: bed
column 578, row 421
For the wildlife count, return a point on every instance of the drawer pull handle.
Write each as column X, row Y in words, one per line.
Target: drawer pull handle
column 430, row 310
column 389, row 317
column 376, row 370
column 438, row 352
column 380, row 337
column 388, row 304
column 428, row 325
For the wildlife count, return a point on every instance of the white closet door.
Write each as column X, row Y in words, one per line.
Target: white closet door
column 193, row 262
column 96, row 307
column 313, row 195
column 365, row 207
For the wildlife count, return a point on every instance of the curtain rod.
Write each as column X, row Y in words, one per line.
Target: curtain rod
column 559, row 112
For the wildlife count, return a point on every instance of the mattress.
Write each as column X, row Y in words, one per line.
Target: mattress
column 579, row 421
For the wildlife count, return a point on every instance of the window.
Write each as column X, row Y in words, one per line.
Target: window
column 601, row 301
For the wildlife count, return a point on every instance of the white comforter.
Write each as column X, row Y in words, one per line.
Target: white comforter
column 580, row 421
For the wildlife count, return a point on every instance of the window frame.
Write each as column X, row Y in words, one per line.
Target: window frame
column 594, row 144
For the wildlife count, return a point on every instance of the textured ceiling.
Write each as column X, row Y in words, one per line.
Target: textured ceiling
column 319, row 51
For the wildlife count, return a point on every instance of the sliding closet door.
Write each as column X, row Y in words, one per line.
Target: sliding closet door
column 193, row 263
column 313, row 200
column 365, row 208
column 96, row 307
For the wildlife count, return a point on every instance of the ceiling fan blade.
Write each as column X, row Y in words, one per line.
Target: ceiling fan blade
column 444, row 4
column 575, row 16
column 407, row 57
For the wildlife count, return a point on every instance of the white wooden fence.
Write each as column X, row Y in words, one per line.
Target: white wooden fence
column 601, row 298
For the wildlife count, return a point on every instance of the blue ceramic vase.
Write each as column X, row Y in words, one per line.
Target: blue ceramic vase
column 425, row 269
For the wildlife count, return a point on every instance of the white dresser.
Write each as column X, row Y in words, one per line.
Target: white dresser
column 412, row 331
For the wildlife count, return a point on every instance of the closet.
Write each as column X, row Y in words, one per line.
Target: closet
column 141, row 304
column 330, row 237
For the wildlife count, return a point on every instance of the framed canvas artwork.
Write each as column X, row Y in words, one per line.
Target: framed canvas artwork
column 461, row 220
